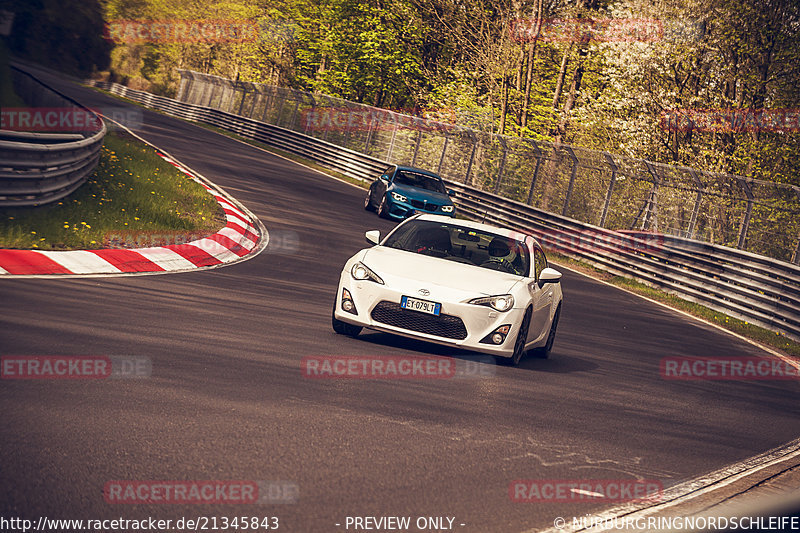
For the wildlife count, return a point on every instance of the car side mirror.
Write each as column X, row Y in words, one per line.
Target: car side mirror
column 451, row 192
column 384, row 178
column 549, row 275
column 374, row 237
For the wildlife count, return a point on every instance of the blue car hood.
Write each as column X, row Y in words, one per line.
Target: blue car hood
column 422, row 194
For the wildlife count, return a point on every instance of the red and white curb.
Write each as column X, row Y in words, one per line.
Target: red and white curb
column 243, row 237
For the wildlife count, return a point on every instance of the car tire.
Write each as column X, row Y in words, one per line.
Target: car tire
column 545, row 351
column 368, row 202
column 383, row 212
column 343, row 328
column 519, row 343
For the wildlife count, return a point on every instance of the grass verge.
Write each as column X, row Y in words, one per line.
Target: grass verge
column 133, row 199
column 740, row 327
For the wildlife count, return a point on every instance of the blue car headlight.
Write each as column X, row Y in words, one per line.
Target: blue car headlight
column 399, row 197
column 447, row 208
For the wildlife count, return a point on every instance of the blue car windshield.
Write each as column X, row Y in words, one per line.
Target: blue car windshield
column 420, row 181
column 463, row 245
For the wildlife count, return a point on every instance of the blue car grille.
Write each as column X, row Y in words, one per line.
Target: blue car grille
column 392, row 314
column 417, row 204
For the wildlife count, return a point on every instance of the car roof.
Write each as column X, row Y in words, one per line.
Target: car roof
column 418, row 171
column 503, row 232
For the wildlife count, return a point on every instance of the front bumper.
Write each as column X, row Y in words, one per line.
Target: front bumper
column 402, row 210
column 460, row 324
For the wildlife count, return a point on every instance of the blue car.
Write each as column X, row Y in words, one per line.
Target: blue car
column 403, row 191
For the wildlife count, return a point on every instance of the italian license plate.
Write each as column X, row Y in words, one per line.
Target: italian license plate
column 423, row 306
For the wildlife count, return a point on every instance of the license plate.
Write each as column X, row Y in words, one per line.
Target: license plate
column 423, row 306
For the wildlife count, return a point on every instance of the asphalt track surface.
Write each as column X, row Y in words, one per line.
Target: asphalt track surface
column 227, row 401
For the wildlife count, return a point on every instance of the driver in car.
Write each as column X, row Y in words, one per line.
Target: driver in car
column 501, row 258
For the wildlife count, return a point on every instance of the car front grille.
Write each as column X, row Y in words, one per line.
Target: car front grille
column 392, row 314
column 417, row 204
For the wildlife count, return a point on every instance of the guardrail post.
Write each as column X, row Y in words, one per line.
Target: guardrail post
column 394, row 136
column 416, row 148
column 280, row 111
column 474, row 140
column 292, row 125
column 614, row 169
column 747, row 214
column 256, row 98
column 502, row 164
column 538, row 154
column 571, row 179
column 241, row 103
column 370, row 130
column 696, row 209
column 441, row 158
column 796, row 258
column 650, row 219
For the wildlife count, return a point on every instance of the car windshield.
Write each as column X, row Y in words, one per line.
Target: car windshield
column 420, row 181
column 463, row 245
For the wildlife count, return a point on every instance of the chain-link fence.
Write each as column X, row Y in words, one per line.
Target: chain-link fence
column 607, row 190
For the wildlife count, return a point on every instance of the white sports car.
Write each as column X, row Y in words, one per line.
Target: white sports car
column 453, row 282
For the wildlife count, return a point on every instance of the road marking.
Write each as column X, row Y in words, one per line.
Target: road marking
column 686, row 491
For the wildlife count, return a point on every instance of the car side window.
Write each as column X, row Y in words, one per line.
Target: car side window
column 539, row 262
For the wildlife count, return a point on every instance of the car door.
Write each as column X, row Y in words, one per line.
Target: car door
column 542, row 297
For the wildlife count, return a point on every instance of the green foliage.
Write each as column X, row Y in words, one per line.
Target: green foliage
column 63, row 34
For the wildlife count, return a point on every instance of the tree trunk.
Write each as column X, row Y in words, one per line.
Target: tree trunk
column 531, row 60
column 504, row 105
column 562, row 72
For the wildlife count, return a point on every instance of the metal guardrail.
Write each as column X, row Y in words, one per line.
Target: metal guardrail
column 613, row 191
column 40, row 168
column 750, row 287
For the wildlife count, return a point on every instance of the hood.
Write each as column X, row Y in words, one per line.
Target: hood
column 398, row 267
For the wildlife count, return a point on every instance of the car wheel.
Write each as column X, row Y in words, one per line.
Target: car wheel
column 544, row 351
column 383, row 211
column 519, row 343
column 343, row 328
column 368, row 202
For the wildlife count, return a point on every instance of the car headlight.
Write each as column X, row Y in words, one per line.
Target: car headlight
column 501, row 302
column 447, row 209
column 399, row 197
column 361, row 272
